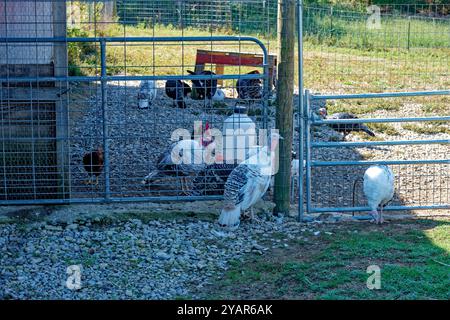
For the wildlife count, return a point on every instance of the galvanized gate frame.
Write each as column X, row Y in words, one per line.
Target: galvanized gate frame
column 306, row 121
column 103, row 78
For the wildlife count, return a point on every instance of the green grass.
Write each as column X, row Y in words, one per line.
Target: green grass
column 351, row 59
column 360, row 107
column 413, row 257
column 441, row 107
column 383, row 128
column 343, row 64
column 428, row 128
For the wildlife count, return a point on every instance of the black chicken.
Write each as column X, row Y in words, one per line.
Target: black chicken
column 249, row 89
column 345, row 128
column 177, row 90
column 205, row 88
column 93, row 164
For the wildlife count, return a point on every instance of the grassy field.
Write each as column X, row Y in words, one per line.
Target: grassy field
column 340, row 56
column 414, row 257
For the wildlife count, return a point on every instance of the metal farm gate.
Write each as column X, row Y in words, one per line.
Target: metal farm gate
column 71, row 76
column 415, row 146
column 71, row 73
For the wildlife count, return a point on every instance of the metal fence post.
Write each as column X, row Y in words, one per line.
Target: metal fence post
column 331, row 21
column 308, row 149
column 104, row 116
column 409, row 32
column 301, row 111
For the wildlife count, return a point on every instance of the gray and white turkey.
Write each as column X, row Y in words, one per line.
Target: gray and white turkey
column 147, row 93
column 182, row 159
column 211, row 180
column 345, row 128
column 248, row 183
column 378, row 188
column 249, row 90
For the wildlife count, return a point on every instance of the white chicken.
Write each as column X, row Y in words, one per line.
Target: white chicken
column 147, row 93
column 378, row 188
column 219, row 95
column 248, row 183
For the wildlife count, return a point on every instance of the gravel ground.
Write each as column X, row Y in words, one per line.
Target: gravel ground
column 138, row 136
column 130, row 258
column 168, row 258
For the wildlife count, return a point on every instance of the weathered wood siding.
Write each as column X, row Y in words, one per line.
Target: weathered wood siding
column 28, row 19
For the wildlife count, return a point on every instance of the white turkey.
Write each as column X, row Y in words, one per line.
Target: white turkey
column 378, row 188
column 211, row 180
column 147, row 93
column 248, row 183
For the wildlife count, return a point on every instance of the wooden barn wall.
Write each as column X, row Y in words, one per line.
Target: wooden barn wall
column 28, row 166
column 26, row 19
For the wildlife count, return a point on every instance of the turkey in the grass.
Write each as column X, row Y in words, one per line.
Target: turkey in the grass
column 345, row 128
column 249, row 89
column 248, row 183
column 183, row 158
column 378, row 188
column 177, row 90
column 93, row 164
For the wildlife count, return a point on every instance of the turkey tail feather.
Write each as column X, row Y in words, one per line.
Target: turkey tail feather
column 229, row 217
column 150, row 177
column 367, row 130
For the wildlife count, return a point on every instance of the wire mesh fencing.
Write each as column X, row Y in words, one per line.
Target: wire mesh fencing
column 342, row 146
column 133, row 74
column 376, row 49
column 110, row 81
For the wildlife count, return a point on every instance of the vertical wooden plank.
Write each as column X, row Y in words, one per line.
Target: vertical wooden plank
column 219, row 70
column 285, row 91
column 61, row 106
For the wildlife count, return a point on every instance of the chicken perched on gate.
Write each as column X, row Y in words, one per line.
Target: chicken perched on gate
column 182, row 159
column 248, row 183
column 249, row 89
column 93, row 164
column 345, row 128
column 177, row 90
column 379, row 189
